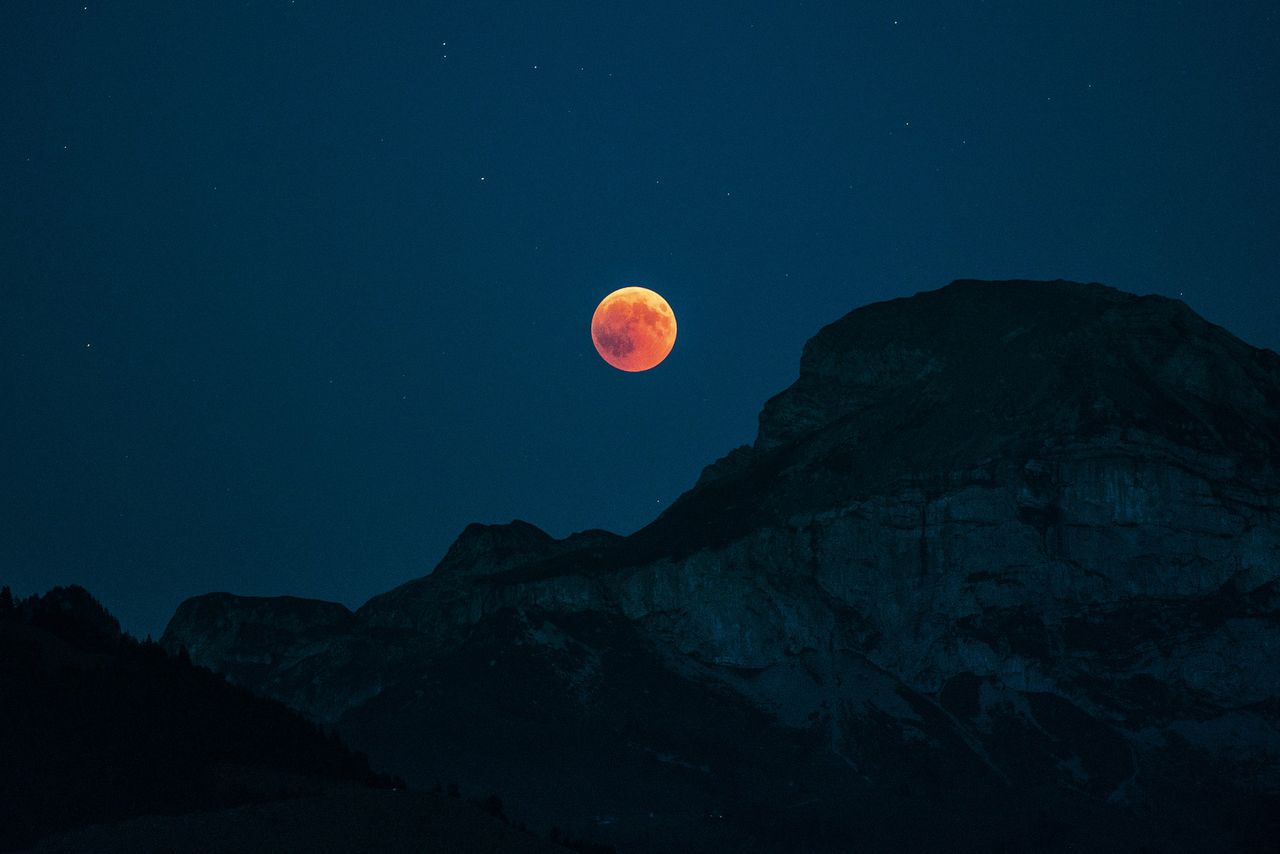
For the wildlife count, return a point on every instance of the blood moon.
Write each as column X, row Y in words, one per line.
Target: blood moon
column 633, row 329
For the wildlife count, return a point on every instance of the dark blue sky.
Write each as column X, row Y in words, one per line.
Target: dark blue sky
column 295, row 290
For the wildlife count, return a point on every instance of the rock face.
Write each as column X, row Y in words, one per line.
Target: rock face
column 1007, row 554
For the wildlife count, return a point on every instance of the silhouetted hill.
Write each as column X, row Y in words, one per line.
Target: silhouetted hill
column 1001, row 572
column 97, row 727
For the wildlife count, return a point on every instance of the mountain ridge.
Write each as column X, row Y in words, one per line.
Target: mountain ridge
column 1035, row 525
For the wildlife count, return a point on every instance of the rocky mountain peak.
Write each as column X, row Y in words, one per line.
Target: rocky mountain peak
column 483, row 547
column 995, row 359
column 1020, row 533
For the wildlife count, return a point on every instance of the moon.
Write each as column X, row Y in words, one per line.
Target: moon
column 633, row 329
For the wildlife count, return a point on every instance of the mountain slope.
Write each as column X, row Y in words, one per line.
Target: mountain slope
column 1006, row 543
column 97, row 728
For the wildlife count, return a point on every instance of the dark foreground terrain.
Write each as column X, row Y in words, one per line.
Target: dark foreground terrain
column 343, row 820
column 163, row 756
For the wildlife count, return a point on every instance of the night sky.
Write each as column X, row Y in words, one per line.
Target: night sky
column 293, row 291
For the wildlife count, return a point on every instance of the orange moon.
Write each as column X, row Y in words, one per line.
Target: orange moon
column 633, row 329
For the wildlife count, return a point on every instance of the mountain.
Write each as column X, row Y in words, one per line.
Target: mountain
column 160, row 755
column 1000, row 572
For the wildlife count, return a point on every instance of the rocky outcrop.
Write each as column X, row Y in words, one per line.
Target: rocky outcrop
column 1025, row 533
